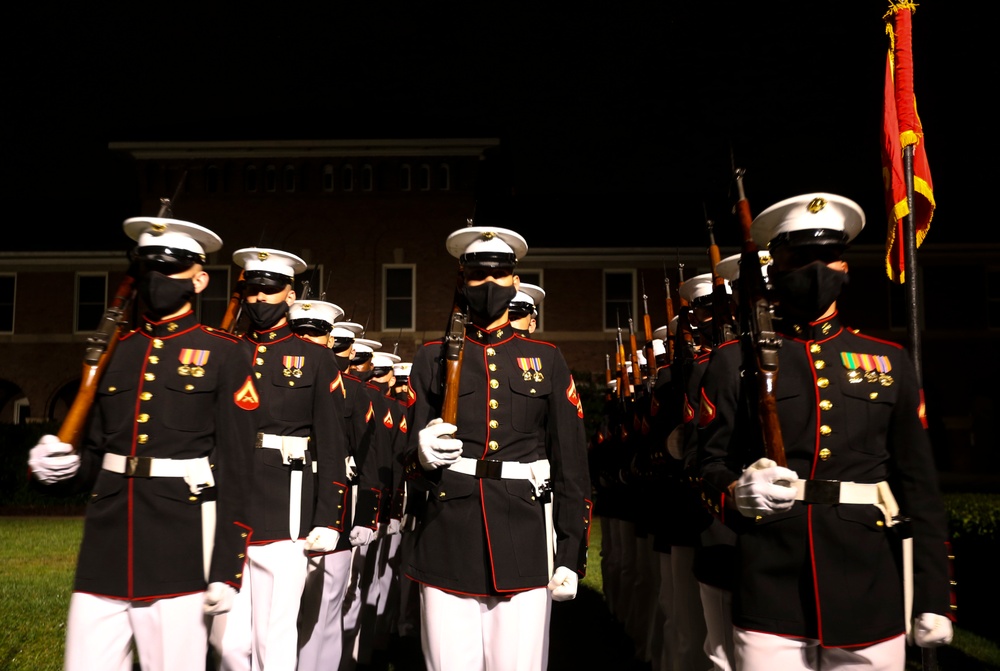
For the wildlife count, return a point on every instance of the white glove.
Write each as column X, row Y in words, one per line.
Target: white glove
column 322, row 539
column 362, row 536
column 563, row 584
column 219, row 598
column 436, row 451
column 393, row 528
column 675, row 443
column 931, row 630
column 53, row 461
column 762, row 490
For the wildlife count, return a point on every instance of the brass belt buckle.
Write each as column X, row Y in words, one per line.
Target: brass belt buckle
column 138, row 467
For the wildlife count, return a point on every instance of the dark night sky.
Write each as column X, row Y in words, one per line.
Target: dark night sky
column 639, row 103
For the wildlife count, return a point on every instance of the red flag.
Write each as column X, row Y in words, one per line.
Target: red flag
column 900, row 129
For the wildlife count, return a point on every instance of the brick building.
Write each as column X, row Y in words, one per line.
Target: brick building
column 370, row 218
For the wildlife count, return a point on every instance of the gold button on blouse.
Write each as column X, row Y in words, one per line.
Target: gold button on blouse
column 154, row 359
column 494, row 424
column 820, row 364
column 873, row 395
column 494, row 384
column 493, row 366
column 825, row 404
column 824, row 454
column 825, row 430
column 145, row 396
column 261, row 348
column 822, row 383
column 494, row 445
column 143, row 418
column 259, row 361
column 494, row 404
column 143, row 439
column 149, row 377
column 490, row 351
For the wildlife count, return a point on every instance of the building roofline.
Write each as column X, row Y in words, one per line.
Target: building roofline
column 306, row 148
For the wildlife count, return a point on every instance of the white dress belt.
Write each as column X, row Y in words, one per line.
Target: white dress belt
column 501, row 470
column 834, row 491
column 293, row 452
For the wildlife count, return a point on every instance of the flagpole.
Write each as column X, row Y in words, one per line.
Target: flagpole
column 910, row 259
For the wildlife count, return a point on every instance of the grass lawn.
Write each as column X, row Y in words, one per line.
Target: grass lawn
column 38, row 557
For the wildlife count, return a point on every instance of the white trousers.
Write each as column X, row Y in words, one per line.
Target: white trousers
column 168, row 633
column 688, row 653
column 466, row 633
column 718, row 606
column 260, row 633
column 321, row 619
column 765, row 652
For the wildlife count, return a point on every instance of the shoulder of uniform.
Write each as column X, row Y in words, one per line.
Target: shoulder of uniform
column 225, row 335
column 878, row 341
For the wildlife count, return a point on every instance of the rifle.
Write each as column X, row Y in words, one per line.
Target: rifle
column 760, row 342
column 634, row 352
column 454, row 347
column 647, row 327
column 607, row 377
column 101, row 345
column 235, row 307
column 668, row 343
column 722, row 315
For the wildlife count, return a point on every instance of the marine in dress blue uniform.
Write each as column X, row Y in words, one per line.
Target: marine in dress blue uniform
column 162, row 460
column 299, row 421
column 820, row 581
column 482, row 553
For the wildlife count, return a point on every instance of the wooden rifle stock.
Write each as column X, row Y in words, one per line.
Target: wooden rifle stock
column 232, row 316
column 453, row 351
column 101, row 346
column 760, row 339
column 607, row 376
column 454, row 347
column 634, row 352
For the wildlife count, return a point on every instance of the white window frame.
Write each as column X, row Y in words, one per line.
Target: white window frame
column 386, row 267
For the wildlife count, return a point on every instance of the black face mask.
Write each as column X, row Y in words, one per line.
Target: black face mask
column 343, row 363
column 807, row 292
column 265, row 315
column 165, row 295
column 488, row 300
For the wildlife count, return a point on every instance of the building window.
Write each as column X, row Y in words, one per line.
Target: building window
column 289, row 178
column 328, row 178
column 214, row 300
column 367, row 179
column 444, row 177
column 405, row 177
column 424, row 178
column 533, row 277
column 270, row 179
column 347, row 178
column 8, row 285
column 250, row 179
column 91, row 301
column 398, row 299
column 619, row 299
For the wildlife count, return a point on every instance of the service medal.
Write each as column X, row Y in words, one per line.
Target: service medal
column 527, row 376
column 885, row 379
column 539, row 377
column 871, row 376
column 184, row 370
column 854, row 376
column 192, row 361
column 197, row 371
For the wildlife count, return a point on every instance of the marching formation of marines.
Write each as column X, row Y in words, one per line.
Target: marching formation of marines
column 293, row 497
